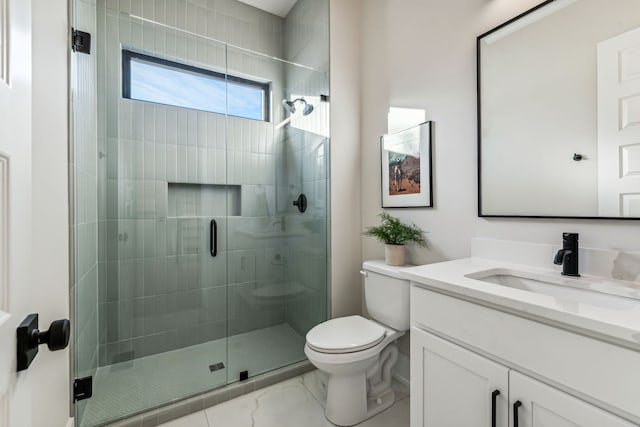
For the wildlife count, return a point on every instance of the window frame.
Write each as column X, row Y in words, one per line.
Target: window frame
column 128, row 55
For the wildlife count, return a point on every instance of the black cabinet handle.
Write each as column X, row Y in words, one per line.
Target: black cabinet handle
column 494, row 395
column 516, row 405
column 213, row 243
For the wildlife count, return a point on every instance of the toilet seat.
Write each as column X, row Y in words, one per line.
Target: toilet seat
column 345, row 335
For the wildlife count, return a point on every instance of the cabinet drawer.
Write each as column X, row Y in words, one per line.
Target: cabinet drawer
column 591, row 369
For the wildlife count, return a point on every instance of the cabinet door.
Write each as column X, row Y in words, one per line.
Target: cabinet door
column 453, row 387
column 545, row 406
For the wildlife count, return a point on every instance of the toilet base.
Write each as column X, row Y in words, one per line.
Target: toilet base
column 349, row 405
column 359, row 383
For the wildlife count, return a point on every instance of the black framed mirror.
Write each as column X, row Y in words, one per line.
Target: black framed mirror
column 559, row 112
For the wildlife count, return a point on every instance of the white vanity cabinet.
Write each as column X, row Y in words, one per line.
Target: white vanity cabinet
column 453, row 387
column 462, row 353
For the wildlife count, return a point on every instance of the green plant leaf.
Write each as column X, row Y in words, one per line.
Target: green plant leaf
column 392, row 231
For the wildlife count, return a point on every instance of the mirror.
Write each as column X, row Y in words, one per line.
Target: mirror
column 559, row 112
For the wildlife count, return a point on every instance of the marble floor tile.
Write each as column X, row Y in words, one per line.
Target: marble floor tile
column 396, row 416
column 288, row 404
column 197, row 419
column 297, row 402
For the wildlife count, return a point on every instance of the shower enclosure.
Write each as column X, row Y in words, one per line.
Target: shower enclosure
column 196, row 126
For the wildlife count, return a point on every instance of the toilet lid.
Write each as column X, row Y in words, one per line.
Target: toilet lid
column 345, row 335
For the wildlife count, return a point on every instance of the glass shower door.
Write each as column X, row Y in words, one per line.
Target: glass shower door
column 277, row 258
column 151, row 200
column 84, row 213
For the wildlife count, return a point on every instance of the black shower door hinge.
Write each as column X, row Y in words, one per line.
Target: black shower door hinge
column 82, row 388
column 80, row 41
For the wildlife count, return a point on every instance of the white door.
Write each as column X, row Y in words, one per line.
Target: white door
column 619, row 125
column 545, row 406
column 453, row 387
column 15, row 204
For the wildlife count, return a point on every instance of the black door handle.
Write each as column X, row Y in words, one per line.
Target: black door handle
column 30, row 337
column 516, row 405
column 494, row 396
column 213, row 234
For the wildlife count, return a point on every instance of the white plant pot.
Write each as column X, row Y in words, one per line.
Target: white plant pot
column 394, row 254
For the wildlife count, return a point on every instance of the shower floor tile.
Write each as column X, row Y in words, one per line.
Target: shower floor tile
column 293, row 403
column 126, row 388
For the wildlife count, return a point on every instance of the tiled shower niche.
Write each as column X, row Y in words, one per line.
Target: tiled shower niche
column 201, row 200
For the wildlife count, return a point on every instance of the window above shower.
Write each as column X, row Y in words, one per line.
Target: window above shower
column 152, row 79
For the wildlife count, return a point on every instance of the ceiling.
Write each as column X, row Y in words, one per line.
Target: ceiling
column 277, row 7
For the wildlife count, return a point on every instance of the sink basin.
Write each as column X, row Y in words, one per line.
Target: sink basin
column 610, row 294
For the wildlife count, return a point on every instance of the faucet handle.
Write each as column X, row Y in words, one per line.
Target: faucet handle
column 570, row 236
column 560, row 255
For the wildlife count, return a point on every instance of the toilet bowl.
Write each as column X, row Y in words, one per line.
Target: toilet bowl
column 357, row 353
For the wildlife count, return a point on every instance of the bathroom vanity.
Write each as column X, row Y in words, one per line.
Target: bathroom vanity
column 497, row 343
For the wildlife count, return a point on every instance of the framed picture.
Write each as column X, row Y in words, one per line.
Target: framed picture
column 406, row 168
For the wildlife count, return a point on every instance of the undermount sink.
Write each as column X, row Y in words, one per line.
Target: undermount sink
column 610, row 294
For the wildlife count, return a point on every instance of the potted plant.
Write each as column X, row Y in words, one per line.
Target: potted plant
column 395, row 235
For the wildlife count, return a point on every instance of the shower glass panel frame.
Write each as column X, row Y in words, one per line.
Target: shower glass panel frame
column 157, row 318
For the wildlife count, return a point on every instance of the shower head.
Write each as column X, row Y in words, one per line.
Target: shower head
column 290, row 107
column 308, row 108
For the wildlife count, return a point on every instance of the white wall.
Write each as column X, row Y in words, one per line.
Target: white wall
column 421, row 54
column 50, row 205
column 344, row 42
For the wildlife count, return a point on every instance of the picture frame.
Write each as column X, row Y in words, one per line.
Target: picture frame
column 406, row 160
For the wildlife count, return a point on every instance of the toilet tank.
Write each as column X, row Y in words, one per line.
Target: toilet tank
column 386, row 295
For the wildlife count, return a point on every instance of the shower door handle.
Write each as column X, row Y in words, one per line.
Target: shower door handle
column 213, row 234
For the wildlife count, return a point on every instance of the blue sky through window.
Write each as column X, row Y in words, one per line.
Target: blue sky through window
column 183, row 88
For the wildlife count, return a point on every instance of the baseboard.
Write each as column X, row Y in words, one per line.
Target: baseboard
column 401, row 372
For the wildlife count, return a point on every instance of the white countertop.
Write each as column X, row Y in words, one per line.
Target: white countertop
column 621, row 325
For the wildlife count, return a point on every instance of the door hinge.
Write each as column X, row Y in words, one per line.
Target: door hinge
column 82, row 388
column 80, row 41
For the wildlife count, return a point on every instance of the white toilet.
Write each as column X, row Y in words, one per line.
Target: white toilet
column 358, row 353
